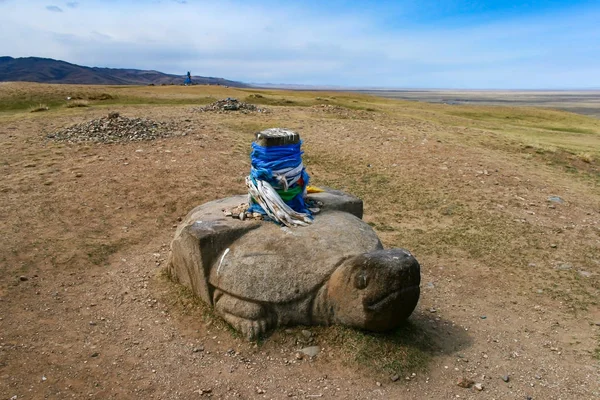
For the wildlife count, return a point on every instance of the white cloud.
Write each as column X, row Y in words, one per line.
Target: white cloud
column 287, row 44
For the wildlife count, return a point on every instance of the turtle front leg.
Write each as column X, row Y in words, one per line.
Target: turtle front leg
column 251, row 319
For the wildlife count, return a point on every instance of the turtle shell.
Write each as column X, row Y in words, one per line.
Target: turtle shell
column 276, row 265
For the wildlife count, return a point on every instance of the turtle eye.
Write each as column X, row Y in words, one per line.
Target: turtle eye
column 361, row 280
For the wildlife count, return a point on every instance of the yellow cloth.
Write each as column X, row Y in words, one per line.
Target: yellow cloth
column 313, row 189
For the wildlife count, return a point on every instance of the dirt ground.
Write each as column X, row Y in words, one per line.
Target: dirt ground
column 510, row 275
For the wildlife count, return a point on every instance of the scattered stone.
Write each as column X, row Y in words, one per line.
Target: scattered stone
column 506, row 378
column 23, row 278
column 198, row 349
column 299, row 356
column 230, row 104
column 95, row 354
column 311, row 351
column 339, row 110
column 260, row 391
column 115, row 129
column 554, row 245
column 394, row 378
column 465, row 383
column 555, row 199
column 44, row 379
column 585, row 274
column 564, row 267
column 241, row 212
column 478, row 386
column 307, row 334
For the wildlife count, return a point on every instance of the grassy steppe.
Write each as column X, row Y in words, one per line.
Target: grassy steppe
column 465, row 188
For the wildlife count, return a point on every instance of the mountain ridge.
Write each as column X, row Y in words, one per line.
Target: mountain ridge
column 48, row 70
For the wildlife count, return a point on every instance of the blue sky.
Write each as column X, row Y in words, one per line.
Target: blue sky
column 400, row 44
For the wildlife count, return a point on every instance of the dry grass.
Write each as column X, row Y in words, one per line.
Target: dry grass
column 586, row 157
column 39, row 108
column 78, row 103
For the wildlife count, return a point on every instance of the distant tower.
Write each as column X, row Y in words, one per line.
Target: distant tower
column 188, row 79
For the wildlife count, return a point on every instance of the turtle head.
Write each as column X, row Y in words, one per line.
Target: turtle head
column 374, row 291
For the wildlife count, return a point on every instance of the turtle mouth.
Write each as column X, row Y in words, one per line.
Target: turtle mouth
column 390, row 298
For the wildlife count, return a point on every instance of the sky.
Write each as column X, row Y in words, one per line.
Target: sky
column 454, row 44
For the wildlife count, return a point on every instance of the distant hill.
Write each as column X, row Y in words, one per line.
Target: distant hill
column 47, row 70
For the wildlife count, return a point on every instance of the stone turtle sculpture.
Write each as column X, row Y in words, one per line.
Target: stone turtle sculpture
column 258, row 275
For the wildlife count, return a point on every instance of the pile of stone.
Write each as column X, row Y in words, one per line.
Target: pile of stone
column 114, row 129
column 241, row 212
column 230, row 104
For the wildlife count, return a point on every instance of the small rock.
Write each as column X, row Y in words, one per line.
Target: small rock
column 506, row 378
column 311, row 351
column 553, row 245
column 23, row 278
column 44, row 379
column 299, row 356
column 198, row 349
column 95, row 354
column 564, row 267
column 555, row 199
column 394, row 378
column 307, row 334
column 465, row 383
column 585, row 274
column 478, row 386
column 378, row 384
column 259, row 390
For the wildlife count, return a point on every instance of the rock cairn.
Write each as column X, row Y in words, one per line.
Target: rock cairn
column 230, row 104
column 114, row 129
